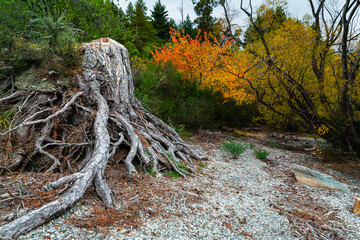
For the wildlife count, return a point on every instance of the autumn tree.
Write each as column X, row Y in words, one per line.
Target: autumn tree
column 308, row 72
column 204, row 60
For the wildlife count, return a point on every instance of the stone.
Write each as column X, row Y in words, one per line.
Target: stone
column 315, row 179
column 30, row 80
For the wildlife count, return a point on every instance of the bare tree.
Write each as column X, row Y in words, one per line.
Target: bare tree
column 103, row 113
column 333, row 30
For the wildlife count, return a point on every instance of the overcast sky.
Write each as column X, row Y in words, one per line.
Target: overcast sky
column 297, row 8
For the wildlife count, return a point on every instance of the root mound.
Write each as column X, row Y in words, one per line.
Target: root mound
column 82, row 130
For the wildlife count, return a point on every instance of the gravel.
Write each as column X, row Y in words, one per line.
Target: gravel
column 237, row 199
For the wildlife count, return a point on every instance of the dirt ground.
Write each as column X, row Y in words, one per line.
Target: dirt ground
column 136, row 198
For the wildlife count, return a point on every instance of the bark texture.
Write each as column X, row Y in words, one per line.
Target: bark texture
column 106, row 115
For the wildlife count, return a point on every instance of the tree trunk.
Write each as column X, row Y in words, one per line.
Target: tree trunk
column 104, row 81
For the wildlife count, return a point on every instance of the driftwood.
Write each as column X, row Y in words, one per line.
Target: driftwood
column 357, row 206
column 105, row 114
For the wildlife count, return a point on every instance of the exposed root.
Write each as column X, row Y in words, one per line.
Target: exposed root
column 61, row 134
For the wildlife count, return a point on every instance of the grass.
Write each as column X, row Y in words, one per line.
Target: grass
column 273, row 144
column 251, row 145
column 261, row 154
column 186, row 134
column 181, row 167
column 172, row 174
column 233, row 147
column 201, row 165
column 6, row 118
column 150, row 170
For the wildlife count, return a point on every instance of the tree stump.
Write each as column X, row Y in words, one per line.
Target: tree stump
column 102, row 104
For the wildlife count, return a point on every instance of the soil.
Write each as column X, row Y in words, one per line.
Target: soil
column 142, row 196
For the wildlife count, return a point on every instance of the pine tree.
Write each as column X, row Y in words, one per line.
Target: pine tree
column 140, row 25
column 204, row 9
column 188, row 27
column 130, row 12
column 160, row 21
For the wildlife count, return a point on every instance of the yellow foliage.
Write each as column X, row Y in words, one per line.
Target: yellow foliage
column 292, row 46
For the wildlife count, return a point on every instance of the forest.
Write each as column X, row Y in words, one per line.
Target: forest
column 72, row 106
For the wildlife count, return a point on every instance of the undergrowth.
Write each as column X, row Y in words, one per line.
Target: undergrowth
column 180, row 102
column 233, row 147
column 261, row 154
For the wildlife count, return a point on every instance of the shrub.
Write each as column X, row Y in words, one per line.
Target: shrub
column 261, row 154
column 165, row 93
column 233, row 147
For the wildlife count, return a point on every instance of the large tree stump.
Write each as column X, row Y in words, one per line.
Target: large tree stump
column 103, row 103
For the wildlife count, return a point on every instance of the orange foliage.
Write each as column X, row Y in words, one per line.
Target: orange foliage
column 208, row 62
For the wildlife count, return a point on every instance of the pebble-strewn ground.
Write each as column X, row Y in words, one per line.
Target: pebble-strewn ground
column 242, row 198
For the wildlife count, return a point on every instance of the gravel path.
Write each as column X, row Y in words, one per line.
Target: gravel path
column 236, row 199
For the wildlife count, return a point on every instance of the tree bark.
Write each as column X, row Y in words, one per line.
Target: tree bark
column 104, row 81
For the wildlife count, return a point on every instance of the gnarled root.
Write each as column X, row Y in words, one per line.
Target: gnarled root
column 120, row 120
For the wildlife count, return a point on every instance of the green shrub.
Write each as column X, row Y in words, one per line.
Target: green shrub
column 261, row 154
column 6, row 118
column 233, row 147
column 165, row 93
column 178, row 128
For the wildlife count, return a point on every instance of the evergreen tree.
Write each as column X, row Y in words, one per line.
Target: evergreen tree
column 172, row 24
column 188, row 27
column 204, row 9
column 160, row 21
column 268, row 19
column 130, row 12
column 140, row 26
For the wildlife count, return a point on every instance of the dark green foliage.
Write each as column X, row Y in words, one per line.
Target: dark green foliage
column 177, row 101
column 139, row 24
column 30, row 39
column 188, row 27
column 172, row 24
column 160, row 21
column 261, row 154
column 233, row 147
column 278, row 16
column 204, row 9
column 96, row 18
